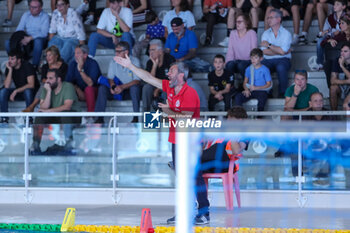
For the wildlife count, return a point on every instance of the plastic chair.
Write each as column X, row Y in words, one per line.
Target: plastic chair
column 229, row 179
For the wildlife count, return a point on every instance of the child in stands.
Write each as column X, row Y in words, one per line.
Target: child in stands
column 257, row 81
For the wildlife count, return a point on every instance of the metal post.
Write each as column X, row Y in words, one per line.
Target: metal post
column 186, row 157
column 26, row 175
column 114, row 178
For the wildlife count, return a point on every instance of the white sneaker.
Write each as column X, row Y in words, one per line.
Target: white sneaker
column 295, row 40
column 7, row 23
column 89, row 20
column 224, row 43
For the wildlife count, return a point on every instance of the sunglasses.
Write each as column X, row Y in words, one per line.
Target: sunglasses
column 300, row 71
column 177, row 46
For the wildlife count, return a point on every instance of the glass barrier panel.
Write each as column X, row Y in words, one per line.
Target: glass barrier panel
column 11, row 153
column 326, row 164
column 70, row 155
column 143, row 157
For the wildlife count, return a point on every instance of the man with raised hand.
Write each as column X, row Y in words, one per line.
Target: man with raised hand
column 182, row 100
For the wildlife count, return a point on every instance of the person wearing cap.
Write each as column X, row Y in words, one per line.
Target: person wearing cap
column 182, row 45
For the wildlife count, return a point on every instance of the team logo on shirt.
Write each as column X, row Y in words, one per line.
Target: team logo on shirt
column 177, row 104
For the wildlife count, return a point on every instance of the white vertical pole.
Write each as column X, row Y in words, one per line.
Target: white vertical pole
column 186, row 157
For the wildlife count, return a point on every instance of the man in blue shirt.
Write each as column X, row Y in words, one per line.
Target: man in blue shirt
column 35, row 23
column 182, row 44
column 83, row 73
column 275, row 43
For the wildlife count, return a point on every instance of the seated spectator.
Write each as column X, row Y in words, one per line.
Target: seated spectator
column 324, row 8
column 210, row 160
column 346, row 104
column 66, row 30
column 57, row 96
column 53, row 61
column 139, row 9
column 340, row 77
column 10, row 6
column 288, row 9
column 23, row 75
column 220, row 84
column 182, row 44
column 257, row 81
column 331, row 26
column 238, row 57
column 31, row 32
column 83, row 73
column 115, row 25
column 316, row 103
column 215, row 11
column 298, row 95
column 246, row 7
column 317, row 160
column 155, row 30
column 275, row 43
column 158, row 65
column 128, row 84
column 333, row 43
column 181, row 10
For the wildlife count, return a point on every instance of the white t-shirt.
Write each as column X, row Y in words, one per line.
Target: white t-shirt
column 108, row 20
column 186, row 16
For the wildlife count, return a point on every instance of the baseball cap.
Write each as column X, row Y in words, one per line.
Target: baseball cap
column 177, row 21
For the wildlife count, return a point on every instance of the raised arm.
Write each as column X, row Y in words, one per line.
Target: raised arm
column 142, row 74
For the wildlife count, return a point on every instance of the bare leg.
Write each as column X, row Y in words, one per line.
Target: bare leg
column 333, row 94
column 296, row 19
column 10, row 6
column 53, row 5
column 231, row 18
column 308, row 17
column 254, row 15
column 322, row 9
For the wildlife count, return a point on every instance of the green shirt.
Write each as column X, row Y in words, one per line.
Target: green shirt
column 304, row 96
column 67, row 93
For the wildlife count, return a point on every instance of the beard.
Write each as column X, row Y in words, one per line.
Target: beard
column 54, row 85
column 173, row 83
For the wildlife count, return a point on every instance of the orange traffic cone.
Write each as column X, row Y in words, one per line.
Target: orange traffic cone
column 146, row 221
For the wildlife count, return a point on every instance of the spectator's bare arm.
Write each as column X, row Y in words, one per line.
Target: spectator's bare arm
column 346, row 103
column 191, row 54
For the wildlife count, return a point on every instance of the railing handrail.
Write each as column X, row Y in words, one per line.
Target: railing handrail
column 126, row 114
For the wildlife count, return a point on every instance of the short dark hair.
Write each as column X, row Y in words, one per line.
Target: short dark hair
column 257, row 52
column 220, row 56
column 57, row 72
column 40, row 1
column 346, row 43
column 15, row 53
column 65, row 1
column 123, row 44
column 112, row 1
column 150, row 16
column 343, row 2
column 316, row 93
column 237, row 112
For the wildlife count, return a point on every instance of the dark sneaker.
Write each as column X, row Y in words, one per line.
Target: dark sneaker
column 202, row 219
column 302, row 40
column 171, row 220
column 316, row 39
column 207, row 41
